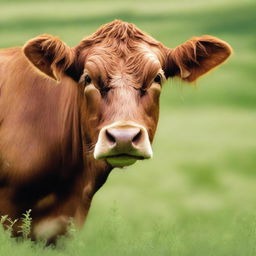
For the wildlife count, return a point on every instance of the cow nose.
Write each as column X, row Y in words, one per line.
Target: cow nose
column 123, row 143
column 124, row 138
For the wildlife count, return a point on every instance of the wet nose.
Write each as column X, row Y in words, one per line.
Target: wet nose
column 123, row 143
column 123, row 138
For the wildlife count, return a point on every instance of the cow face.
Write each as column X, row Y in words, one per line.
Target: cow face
column 127, row 89
column 120, row 71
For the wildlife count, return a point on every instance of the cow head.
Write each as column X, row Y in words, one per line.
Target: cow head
column 120, row 71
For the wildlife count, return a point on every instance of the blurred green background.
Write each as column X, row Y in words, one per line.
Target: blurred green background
column 197, row 196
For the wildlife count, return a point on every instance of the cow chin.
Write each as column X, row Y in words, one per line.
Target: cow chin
column 122, row 144
column 121, row 161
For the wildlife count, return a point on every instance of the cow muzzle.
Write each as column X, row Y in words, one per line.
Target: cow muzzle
column 122, row 144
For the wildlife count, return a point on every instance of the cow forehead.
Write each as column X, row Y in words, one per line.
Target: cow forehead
column 113, row 53
column 152, row 53
column 135, row 61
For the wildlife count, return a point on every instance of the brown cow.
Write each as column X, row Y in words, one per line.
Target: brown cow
column 68, row 116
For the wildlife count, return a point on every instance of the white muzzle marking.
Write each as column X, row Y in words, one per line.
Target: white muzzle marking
column 123, row 143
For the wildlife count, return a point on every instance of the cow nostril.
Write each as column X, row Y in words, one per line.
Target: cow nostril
column 123, row 137
column 137, row 137
column 110, row 137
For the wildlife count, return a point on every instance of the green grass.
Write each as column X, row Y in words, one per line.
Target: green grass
column 197, row 195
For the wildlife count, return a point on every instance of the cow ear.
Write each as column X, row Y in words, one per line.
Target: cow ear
column 49, row 54
column 196, row 57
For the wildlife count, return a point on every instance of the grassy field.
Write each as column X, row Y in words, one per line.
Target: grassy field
column 197, row 196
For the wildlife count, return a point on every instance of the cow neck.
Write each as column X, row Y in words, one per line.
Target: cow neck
column 95, row 171
column 71, row 141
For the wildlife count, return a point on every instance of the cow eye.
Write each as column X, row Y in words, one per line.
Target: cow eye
column 158, row 79
column 87, row 80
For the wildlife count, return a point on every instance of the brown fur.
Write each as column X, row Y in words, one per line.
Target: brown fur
column 197, row 56
column 48, row 130
column 49, row 54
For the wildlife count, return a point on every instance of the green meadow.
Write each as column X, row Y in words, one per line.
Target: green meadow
column 197, row 196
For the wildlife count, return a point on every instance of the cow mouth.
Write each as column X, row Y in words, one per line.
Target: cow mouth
column 125, row 156
column 121, row 160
